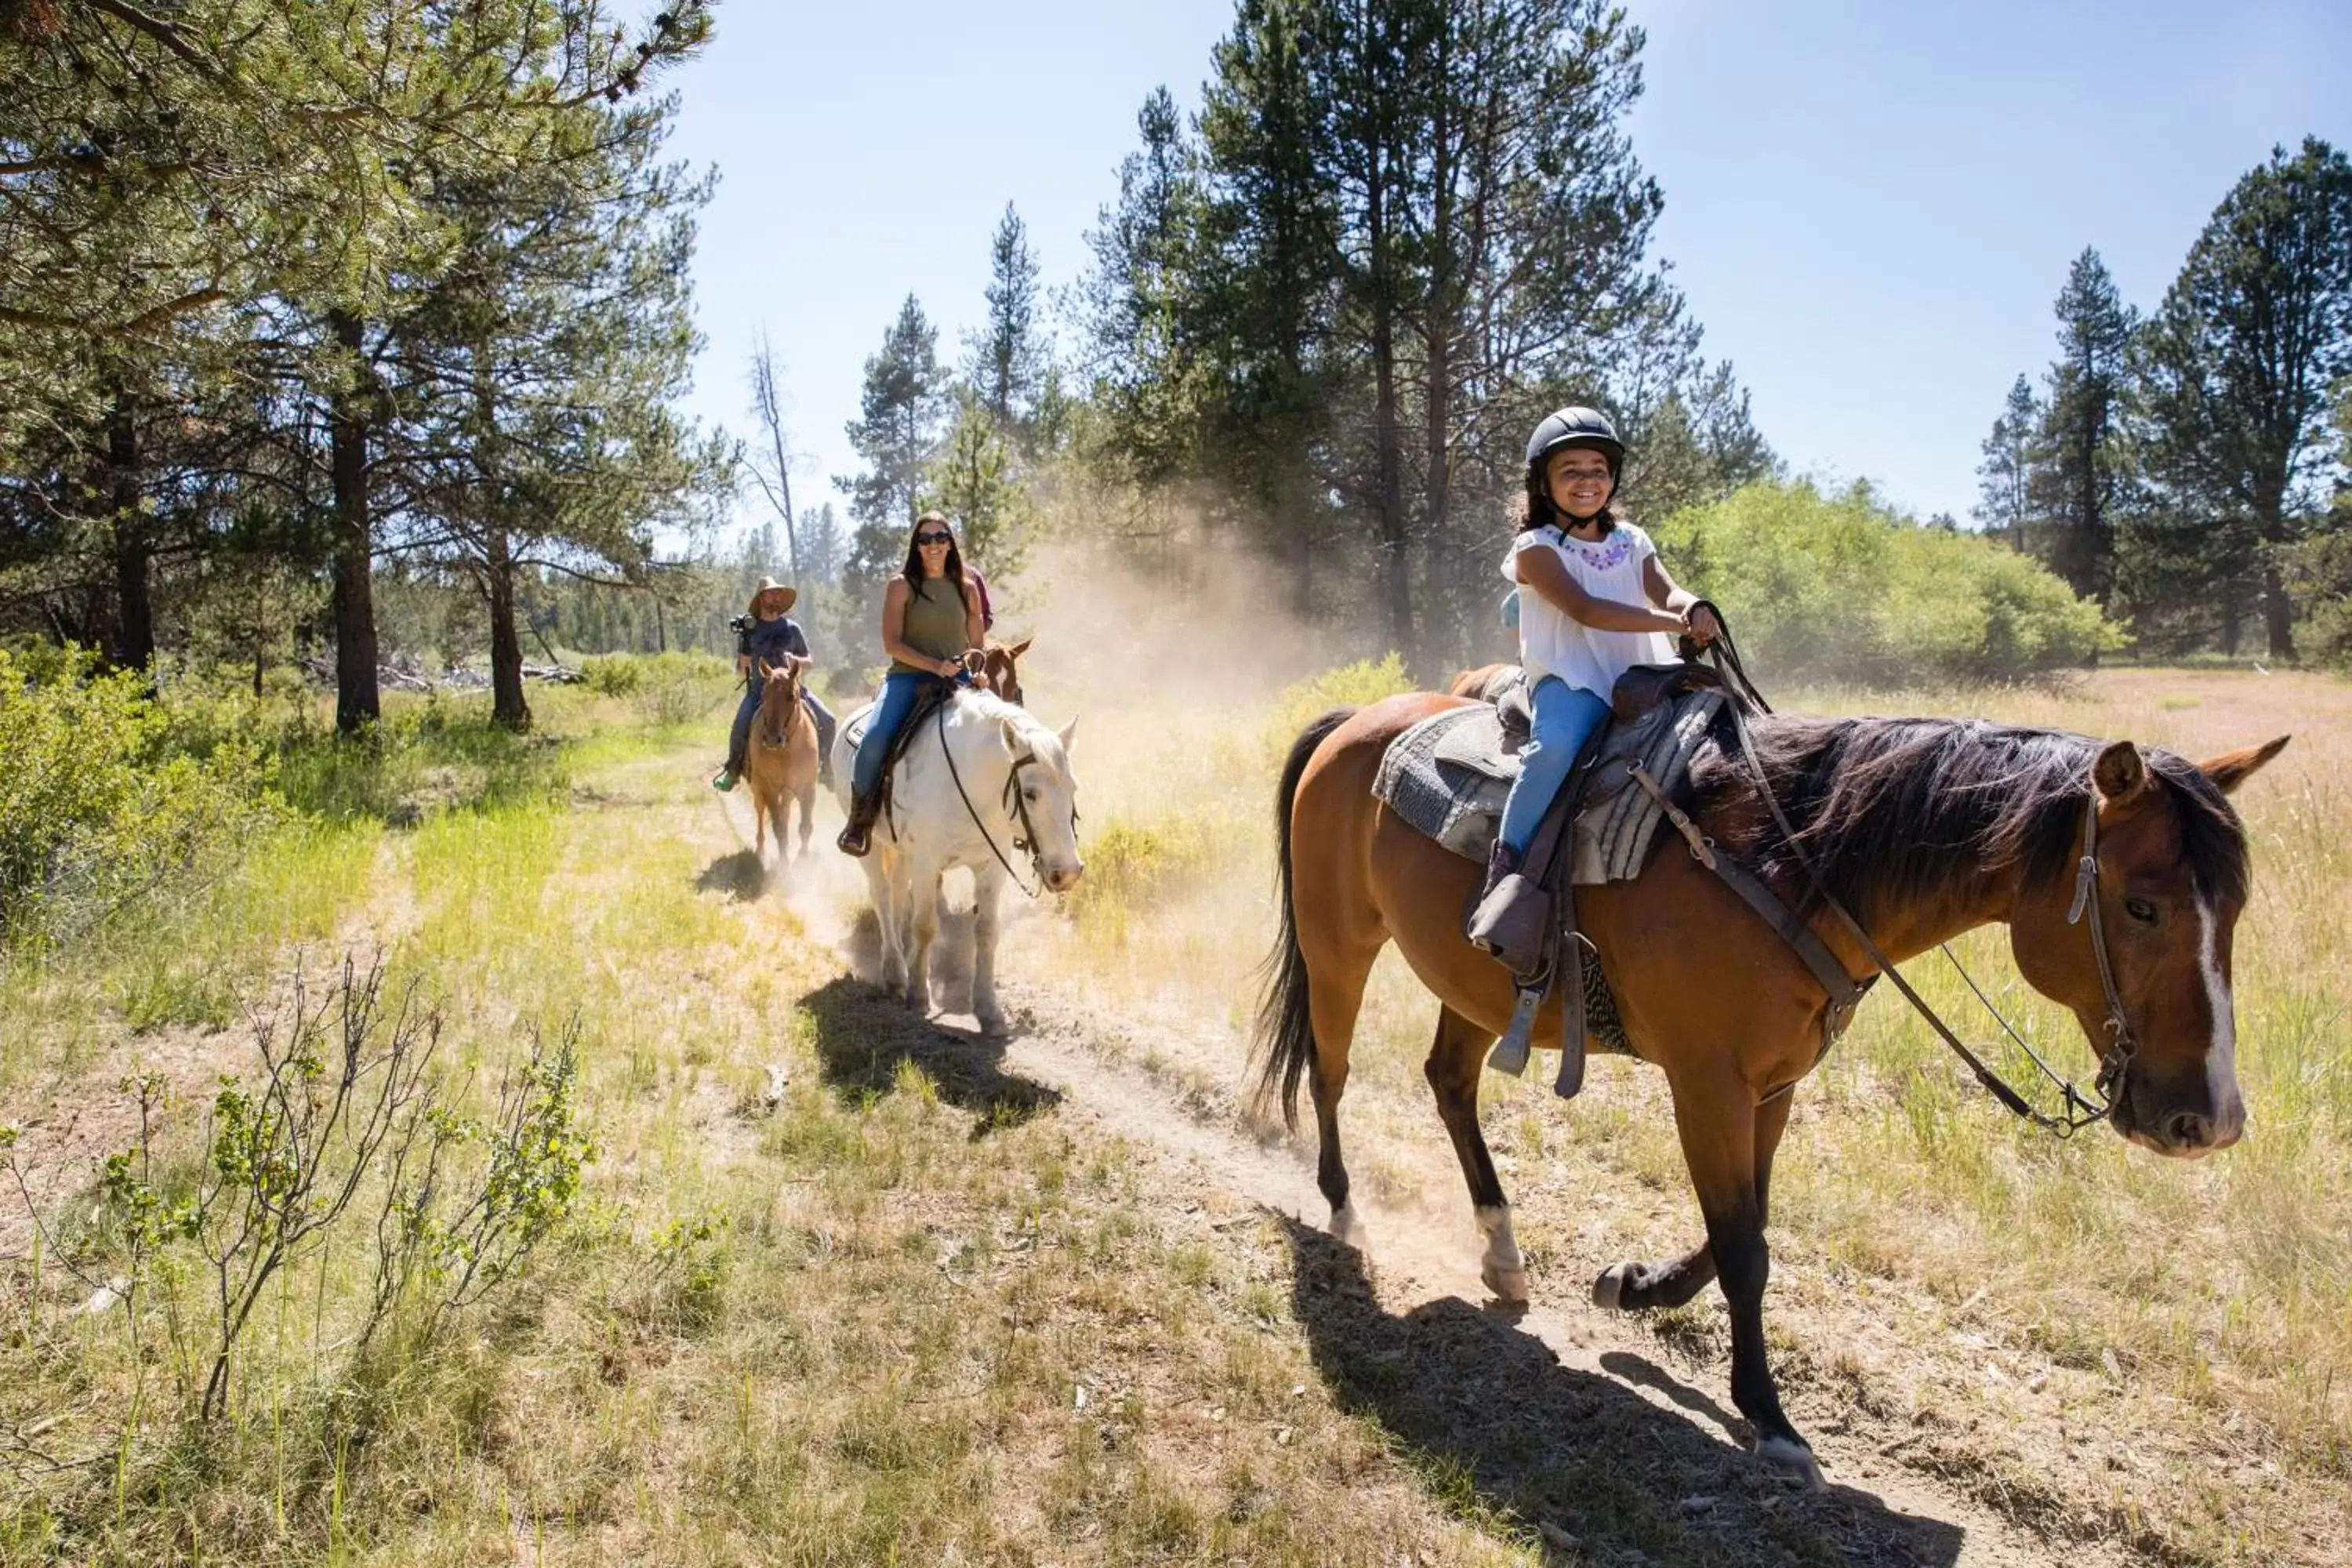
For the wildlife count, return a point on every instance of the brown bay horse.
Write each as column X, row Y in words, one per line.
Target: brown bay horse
column 1923, row 827
column 782, row 765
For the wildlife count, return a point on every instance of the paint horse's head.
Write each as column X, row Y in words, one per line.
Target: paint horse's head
column 2135, row 937
column 1000, row 662
column 1042, row 793
column 780, row 698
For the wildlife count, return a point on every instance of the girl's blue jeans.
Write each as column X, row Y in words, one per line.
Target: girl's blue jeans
column 1566, row 717
column 898, row 696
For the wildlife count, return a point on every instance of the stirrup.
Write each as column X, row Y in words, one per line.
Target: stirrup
column 1510, row 1053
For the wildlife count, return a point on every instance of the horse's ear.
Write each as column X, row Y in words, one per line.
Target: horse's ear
column 801, row 662
column 1015, row 650
column 2120, row 773
column 2232, row 769
column 1067, row 734
column 1011, row 733
column 766, row 670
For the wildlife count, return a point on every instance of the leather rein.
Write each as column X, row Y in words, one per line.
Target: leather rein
column 2075, row 1110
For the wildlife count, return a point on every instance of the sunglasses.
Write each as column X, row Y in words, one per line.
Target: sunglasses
column 934, row 539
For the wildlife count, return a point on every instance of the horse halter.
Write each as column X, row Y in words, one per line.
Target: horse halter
column 2118, row 1054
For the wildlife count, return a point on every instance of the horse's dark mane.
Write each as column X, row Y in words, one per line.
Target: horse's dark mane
column 1903, row 810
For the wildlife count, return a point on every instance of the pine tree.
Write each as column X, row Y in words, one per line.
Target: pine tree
column 1134, row 300
column 975, row 480
column 2086, row 466
column 546, row 363
column 897, row 433
column 2237, row 369
column 1010, row 358
column 2006, row 478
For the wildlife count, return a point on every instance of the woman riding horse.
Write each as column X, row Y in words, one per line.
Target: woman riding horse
column 931, row 619
column 1593, row 597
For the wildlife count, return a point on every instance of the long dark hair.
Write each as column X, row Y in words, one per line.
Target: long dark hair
column 913, row 570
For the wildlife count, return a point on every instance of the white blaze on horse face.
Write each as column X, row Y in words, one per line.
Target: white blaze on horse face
column 2221, row 1057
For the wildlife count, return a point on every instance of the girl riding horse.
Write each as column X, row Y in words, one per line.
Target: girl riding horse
column 1593, row 597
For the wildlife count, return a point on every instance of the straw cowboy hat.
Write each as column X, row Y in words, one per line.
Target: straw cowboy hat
column 769, row 585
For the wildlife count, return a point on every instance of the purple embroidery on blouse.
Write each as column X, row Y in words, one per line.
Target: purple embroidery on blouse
column 1606, row 556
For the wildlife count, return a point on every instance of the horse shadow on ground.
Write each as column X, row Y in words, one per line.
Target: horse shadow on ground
column 1472, row 1398
column 739, row 875
column 863, row 1037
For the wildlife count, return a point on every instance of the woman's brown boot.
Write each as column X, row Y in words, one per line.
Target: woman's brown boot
column 857, row 838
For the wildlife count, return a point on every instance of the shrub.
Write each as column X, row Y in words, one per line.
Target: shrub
column 1349, row 686
column 614, row 675
column 440, row 753
column 666, row 687
column 1844, row 588
column 102, row 800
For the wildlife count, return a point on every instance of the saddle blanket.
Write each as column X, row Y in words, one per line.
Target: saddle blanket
column 1449, row 775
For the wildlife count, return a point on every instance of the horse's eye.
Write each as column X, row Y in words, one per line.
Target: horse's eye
column 1030, row 796
column 2141, row 911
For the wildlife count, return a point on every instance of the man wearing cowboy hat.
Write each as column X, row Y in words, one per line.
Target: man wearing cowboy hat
column 767, row 634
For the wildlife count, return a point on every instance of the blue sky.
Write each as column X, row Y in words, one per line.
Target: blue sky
column 1870, row 206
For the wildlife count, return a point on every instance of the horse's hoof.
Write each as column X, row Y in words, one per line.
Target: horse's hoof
column 1795, row 1458
column 1508, row 1284
column 1348, row 1228
column 1609, row 1290
column 992, row 1026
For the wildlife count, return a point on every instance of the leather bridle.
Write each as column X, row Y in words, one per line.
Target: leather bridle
column 2076, row 1111
column 1017, row 806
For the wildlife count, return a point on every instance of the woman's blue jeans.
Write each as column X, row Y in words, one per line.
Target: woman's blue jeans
column 898, row 692
column 1566, row 717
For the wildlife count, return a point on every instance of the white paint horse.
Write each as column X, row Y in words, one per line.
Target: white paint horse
column 998, row 792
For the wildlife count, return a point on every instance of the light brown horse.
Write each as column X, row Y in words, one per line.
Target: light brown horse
column 1923, row 827
column 782, row 764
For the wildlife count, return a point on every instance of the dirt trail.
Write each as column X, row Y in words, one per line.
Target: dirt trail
column 1588, row 1422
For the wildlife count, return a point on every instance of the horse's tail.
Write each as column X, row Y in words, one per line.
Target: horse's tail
column 1286, row 1024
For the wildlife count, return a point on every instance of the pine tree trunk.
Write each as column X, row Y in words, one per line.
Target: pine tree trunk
column 1388, row 432
column 358, row 701
column 134, row 605
column 507, row 708
column 2278, row 614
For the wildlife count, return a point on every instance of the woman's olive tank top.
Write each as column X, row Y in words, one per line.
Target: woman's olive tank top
column 935, row 624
